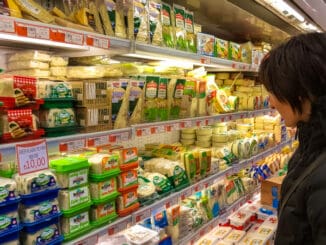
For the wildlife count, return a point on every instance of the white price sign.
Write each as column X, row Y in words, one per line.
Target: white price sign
column 7, row 25
column 32, row 157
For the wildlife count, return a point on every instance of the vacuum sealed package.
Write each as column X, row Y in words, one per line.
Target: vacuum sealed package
column 139, row 22
column 180, row 31
column 155, row 22
column 167, row 26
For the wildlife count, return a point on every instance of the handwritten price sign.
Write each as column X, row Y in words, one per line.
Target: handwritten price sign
column 32, row 157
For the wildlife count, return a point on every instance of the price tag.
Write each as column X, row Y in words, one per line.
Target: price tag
column 196, row 188
column 160, row 129
column 153, row 130
column 88, row 241
column 222, row 119
column 7, row 25
column 188, row 124
column 175, row 126
column 210, row 121
column 205, row 60
column 172, row 201
column 141, row 215
column 168, row 128
column 125, row 136
column 33, row 31
column 186, row 193
column 98, row 141
column 97, row 42
column 74, row 38
column 32, row 157
column 73, row 145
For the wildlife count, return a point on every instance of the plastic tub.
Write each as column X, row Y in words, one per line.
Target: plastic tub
column 11, row 237
column 75, row 224
column 129, row 158
column 8, row 190
column 102, row 214
column 44, row 233
column 37, row 197
column 104, row 165
column 127, row 202
column 9, row 217
column 103, row 188
column 127, row 180
column 71, row 171
column 74, row 200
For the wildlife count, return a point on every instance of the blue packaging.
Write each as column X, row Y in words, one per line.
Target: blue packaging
column 9, row 218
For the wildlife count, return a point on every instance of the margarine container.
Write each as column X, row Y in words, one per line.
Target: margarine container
column 103, row 164
column 127, row 180
column 73, row 200
column 103, row 188
column 101, row 214
column 8, row 190
column 127, row 202
column 128, row 158
column 71, row 171
column 75, row 224
column 10, row 218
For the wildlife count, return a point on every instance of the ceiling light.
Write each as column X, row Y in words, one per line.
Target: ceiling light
column 285, row 9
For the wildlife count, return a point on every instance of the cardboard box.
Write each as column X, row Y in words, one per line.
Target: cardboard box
column 266, row 189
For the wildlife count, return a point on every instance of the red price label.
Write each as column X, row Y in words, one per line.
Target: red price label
column 32, row 157
column 222, row 119
column 97, row 42
column 111, row 231
column 98, row 141
column 7, row 25
column 125, row 136
column 33, row 31
column 73, row 145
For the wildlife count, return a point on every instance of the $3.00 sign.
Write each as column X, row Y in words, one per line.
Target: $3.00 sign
column 32, row 157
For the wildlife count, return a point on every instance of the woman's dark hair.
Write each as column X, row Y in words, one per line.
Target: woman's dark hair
column 296, row 70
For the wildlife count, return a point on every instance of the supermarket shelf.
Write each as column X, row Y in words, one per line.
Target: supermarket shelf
column 174, row 198
column 79, row 141
column 209, row 226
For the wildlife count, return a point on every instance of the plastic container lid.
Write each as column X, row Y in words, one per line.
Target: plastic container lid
column 105, row 176
column 9, row 206
column 77, row 209
column 41, row 221
column 111, row 196
column 69, row 164
column 37, row 197
column 105, row 220
column 145, row 233
column 38, row 226
column 71, row 236
column 9, row 235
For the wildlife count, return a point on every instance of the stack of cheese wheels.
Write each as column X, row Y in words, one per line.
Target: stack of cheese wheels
column 220, row 136
column 204, row 137
column 241, row 148
column 188, row 136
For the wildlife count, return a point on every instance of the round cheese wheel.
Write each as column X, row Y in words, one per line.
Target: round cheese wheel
column 188, row 136
column 253, row 147
column 187, row 142
column 188, row 131
column 222, row 75
column 205, row 144
column 220, row 138
column 204, row 137
column 219, row 82
column 204, row 131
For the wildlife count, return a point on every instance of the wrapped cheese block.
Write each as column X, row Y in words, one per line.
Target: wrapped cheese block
column 75, row 223
column 146, row 190
column 235, row 236
column 40, row 211
column 46, row 235
column 102, row 163
column 71, row 171
column 253, row 238
column 9, row 218
column 29, row 55
column 162, row 184
column 35, row 182
column 27, row 64
column 58, row 71
column 84, row 72
column 57, row 117
column 8, row 189
column 51, row 89
column 136, row 98
column 221, row 232
column 69, row 199
column 31, row 73
column 240, row 219
column 58, row 61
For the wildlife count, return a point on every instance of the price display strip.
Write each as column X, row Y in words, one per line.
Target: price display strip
column 73, row 145
column 32, row 31
column 98, row 42
column 141, row 215
column 32, row 157
column 119, row 225
column 7, row 25
column 98, row 141
column 89, row 240
column 70, row 37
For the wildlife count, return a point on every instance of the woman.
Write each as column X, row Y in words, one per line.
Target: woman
column 295, row 76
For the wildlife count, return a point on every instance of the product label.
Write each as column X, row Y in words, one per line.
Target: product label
column 111, row 8
column 42, row 182
column 78, row 222
column 48, row 234
column 130, row 198
column 24, row 90
column 190, row 88
column 162, row 89
column 192, row 166
column 189, row 22
column 31, row 7
column 20, row 122
column 8, row 221
column 179, row 17
column 78, row 178
column 129, row 178
column 221, row 48
column 5, row 194
column 107, row 187
column 151, row 89
column 105, row 209
column 78, row 196
column 179, row 176
column 45, row 209
column 130, row 155
column 179, row 87
column 162, row 185
column 109, row 163
column 166, row 15
column 63, row 117
column 203, row 164
column 60, row 91
column 175, row 215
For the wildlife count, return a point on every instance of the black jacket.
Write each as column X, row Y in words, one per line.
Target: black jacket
column 303, row 220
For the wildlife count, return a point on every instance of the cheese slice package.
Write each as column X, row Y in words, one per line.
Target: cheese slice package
column 150, row 101
column 175, row 95
column 180, row 31
column 162, row 99
column 167, row 29
column 139, row 22
column 107, row 15
column 136, row 98
column 155, row 22
column 190, row 165
column 190, row 35
column 189, row 99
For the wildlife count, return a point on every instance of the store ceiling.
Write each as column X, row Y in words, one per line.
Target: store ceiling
column 239, row 20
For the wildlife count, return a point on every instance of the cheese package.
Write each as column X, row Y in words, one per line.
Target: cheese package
column 155, row 22
column 234, row 51
column 35, row 182
column 136, row 98
column 8, row 190
column 72, row 198
column 107, row 15
column 206, row 240
column 118, row 93
column 46, row 235
column 38, row 73
column 205, row 44
column 173, row 216
column 57, row 117
column 151, row 106
column 58, row 71
column 71, row 171
column 27, row 64
column 221, row 49
column 266, row 231
column 84, row 72
column 10, row 218
column 58, row 61
column 179, row 30
column 190, row 32
column 103, row 212
column 139, row 22
column 146, row 190
column 175, row 94
column 220, row 232
column 162, row 99
column 167, row 29
column 189, row 102
column 40, row 211
column 127, row 199
column 102, row 163
column 190, row 164
column 140, row 235
column 235, row 236
column 53, row 89
column 253, row 238
column 128, row 158
column 29, row 55
column 103, row 188
column 162, row 184
column 75, row 223
column 127, row 179
column 240, row 219
column 204, row 131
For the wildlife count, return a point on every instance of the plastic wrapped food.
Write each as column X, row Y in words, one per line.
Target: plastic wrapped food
column 162, row 184
column 31, row 73
column 58, row 71
column 47, row 235
column 36, row 182
column 180, row 31
column 40, row 211
column 140, row 235
column 8, row 189
column 72, row 198
column 146, row 189
column 34, row 9
column 57, row 117
column 155, row 24
column 103, row 189
column 136, row 102
column 150, row 101
column 27, row 64
column 103, row 163
column 127, row 199
column 190, row 35
column 75, row 223
column 51, row 89
column 89, row 60
column 107, row 14
column 29, row 55
column 140, row 21
column 58, row 61
column 127, row 179
column 84, row 72
column 205, row 44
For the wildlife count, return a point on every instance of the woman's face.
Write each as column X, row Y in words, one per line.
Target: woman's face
column 291, row 117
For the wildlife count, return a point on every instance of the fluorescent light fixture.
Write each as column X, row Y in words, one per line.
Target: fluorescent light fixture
column 285, row 9
column 309, row 27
